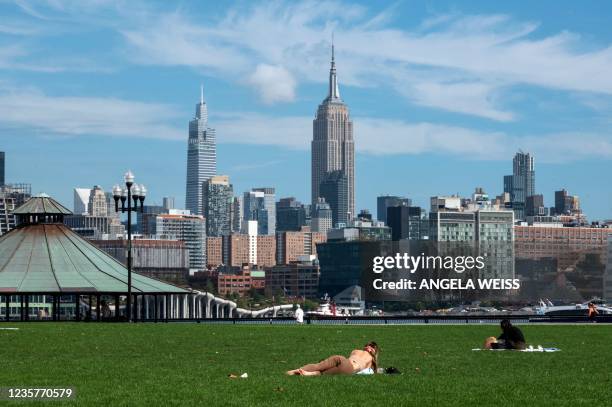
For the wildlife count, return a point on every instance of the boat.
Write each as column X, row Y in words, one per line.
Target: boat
column 572, row 310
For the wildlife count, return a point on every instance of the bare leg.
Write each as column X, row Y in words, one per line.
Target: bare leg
column 332, row 365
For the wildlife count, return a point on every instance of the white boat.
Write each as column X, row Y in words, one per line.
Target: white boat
column 573, row 310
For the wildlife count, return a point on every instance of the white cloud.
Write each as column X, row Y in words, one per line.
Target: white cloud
column 455, row 62
column 112, row 117
column 464, row 62
column 86, row 116
column 386, row 137
column 273, row 83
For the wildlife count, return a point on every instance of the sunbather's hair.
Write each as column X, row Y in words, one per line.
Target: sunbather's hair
column 374, row 346
column 505, row 324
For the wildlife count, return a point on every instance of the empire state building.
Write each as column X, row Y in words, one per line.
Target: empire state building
column 333, row 153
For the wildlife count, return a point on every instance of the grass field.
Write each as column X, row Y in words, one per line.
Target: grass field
column 188, row 364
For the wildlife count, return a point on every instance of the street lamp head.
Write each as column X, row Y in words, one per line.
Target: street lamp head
column 135, row 190
column 128, row 178
column 117, row 191
column 124, row 192
column 143, row 190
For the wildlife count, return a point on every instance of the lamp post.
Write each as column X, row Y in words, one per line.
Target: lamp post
column 136, row 193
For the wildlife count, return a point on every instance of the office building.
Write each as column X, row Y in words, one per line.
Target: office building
column 201, row 157
column 11, row 197
column 343, row 263
column 362, row 231
column 7, row 219
column 2, row 168
column 387, row 201
column 217, row 201
column 241, row 282
column 146, row 220
column 321, row 220
column 566, row 204
column 334, row 189
column 333, row 147
column 166, row 260
column 405, row 222
column 535, row 206
column 97, row 202
column 81, row 201
column 168, row 202
column 298, row 279
column 188, row 228
column 290, row 215
column 521, row 184
column 95, row 227
column 259, row 205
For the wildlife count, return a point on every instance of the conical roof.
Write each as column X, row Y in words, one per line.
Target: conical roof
column 51, row 258
column 42, row 205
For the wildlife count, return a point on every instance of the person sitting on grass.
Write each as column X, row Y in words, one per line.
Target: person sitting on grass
column 359, row 360
column 511, row 338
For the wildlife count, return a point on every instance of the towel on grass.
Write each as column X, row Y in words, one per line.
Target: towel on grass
column 531, row 348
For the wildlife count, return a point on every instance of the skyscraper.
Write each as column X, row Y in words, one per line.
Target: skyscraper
column 97, row 202
column 217, row 200
column 2, row 164
column 333, row 148
column 290, row 215
column 201, row 157
column 260, row 204
column 81, row 201
column 321, row 217
column 334, row 188
column 387, row 201
column 521, row 184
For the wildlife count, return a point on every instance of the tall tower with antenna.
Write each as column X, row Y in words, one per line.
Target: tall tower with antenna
column 201, row 157
column 333, row 152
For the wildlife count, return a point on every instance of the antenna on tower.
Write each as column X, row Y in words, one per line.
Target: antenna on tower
column 201, row 94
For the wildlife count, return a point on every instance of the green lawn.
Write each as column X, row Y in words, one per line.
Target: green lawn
column 188, row 364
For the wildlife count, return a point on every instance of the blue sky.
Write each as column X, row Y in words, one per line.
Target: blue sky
column 442, row 94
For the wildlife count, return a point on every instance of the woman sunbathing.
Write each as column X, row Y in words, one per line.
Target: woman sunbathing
column 357, row 361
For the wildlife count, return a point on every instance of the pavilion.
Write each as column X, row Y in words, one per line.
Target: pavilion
column 49, row 272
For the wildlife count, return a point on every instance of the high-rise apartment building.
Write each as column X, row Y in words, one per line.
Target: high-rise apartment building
column 217, row 200
column 387, row 201
column 333, row 147
column 189, row 228
column 237, row 214
column 259, row 205
column 201, row 157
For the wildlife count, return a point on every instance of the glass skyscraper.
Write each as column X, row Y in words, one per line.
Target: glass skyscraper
column 201, row 157
column 521, row 184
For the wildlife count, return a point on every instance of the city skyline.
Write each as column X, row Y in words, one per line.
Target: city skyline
column 85, row 120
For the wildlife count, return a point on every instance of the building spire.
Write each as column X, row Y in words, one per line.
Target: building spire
column 201, row 109
column 334, row 92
